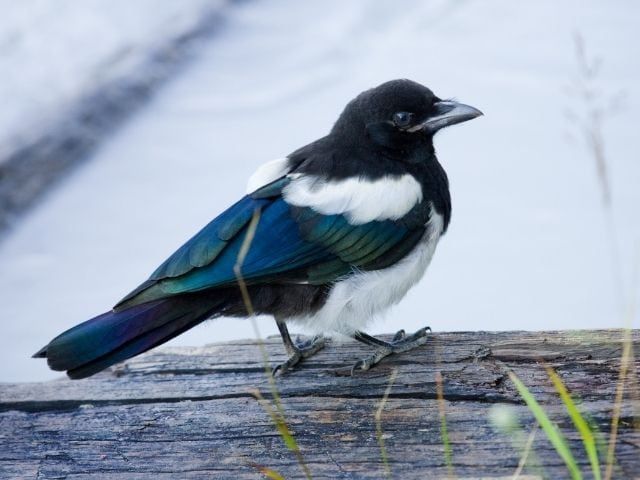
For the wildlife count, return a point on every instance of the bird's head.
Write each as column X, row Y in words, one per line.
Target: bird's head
column 400, row 115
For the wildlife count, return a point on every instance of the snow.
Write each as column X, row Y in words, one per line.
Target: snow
column 528, row 246
column 50, row 52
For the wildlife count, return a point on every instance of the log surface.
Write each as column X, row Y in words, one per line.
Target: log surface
column 190, row 413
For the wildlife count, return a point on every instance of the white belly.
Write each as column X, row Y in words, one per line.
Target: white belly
column 355, row 301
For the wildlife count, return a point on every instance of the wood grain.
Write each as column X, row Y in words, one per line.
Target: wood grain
column 189, row 412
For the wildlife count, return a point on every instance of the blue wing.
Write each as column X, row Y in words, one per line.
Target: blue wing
column 290, row 245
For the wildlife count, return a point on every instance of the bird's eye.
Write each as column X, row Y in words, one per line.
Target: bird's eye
column 402, row 119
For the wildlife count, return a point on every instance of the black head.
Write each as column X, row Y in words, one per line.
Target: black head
column 399, row 115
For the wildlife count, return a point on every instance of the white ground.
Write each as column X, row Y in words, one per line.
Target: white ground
column 50, row 52
column 527, row 247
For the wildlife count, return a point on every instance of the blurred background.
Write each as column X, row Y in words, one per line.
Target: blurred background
column 126, row 126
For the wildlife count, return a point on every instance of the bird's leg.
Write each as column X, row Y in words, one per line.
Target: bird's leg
column 297, row 352
column 400, row 343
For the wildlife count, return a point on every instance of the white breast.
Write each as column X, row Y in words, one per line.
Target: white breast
column 358, row 199
column 354, row 301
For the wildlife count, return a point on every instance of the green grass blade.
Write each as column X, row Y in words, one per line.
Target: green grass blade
column 588, row 438
column 551, row 431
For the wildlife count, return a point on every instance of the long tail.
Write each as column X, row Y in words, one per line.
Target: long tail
column 113, row 337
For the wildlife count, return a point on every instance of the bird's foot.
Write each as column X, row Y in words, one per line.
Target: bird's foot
column 299, row 352
column 400, row 343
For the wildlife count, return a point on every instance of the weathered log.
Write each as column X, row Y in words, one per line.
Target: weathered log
column 190, row 413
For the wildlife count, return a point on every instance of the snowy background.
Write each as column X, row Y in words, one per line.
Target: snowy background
column 529, row 247
column 53, row 52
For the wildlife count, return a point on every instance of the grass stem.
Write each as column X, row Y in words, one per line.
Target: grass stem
column 525, row 454
column 443, row 426
column 580, row 423
column 277, row 416
column 551, row 431
column 378, row 418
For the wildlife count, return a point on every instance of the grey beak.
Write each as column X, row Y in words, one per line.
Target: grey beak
column 449, row 113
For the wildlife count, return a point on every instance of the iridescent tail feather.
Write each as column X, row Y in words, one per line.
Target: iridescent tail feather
column 114, row 336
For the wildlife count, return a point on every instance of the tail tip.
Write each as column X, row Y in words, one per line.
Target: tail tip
column 42, row 353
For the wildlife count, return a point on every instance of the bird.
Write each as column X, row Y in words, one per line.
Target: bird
column 326, row 237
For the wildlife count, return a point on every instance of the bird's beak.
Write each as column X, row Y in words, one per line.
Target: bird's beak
column 449, row 113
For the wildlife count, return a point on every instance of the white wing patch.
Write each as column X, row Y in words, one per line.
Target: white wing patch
column 355, row 301
column 267, row 173
column 359, row 199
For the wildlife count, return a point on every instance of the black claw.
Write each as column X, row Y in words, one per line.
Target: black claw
column 301, row 351
column 358, row 364
column 400, row 343
column 400, row 334
column 284, row 367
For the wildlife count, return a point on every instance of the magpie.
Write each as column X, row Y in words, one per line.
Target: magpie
column 326, row 237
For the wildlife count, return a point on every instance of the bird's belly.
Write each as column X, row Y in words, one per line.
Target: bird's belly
column 355, row 301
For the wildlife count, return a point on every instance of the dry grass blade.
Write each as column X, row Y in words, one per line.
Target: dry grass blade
column 283, row 429
column 627, row 372
column 525, row 453
column 594, row 105
column 248, row 305
column 443, row 426
column 625, row 362
column 378, row 417
column 277, row 416
column 267, row 472
column 505, row 419
column 242, row 255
